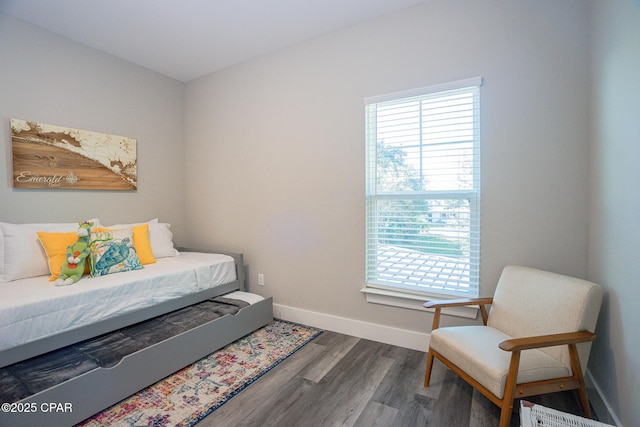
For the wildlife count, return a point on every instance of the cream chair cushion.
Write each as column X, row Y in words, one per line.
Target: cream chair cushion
column 475, row 350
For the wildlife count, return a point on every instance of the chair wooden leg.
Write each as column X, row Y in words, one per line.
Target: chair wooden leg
column 577, row 373
column 427, row 373
column 505, row 415
column 509, row 390
column 584, row 401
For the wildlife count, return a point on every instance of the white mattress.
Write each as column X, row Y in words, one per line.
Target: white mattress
column 34, row 308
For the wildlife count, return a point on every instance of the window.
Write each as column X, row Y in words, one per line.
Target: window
column 423, row 191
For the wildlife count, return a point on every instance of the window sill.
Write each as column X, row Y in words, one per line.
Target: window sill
column 414, row 302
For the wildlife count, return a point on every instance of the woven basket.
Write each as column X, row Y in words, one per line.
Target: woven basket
column 532, row 415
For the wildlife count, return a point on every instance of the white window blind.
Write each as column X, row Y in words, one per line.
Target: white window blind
column 423, row 190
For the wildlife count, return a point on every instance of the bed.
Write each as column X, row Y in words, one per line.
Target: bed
column 41, row 324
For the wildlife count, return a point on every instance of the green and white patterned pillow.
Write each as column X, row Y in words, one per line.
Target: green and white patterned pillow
column 113, row 252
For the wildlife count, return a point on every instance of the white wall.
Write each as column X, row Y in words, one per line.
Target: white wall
column 275, row 146
column 274, row 150
column 50, row 79
column 614, row 210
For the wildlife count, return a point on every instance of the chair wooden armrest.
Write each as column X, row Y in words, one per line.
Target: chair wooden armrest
column 459, row 302
column 519, row 344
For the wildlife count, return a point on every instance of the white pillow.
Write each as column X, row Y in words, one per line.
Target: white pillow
column 21, row 254
column 160, row 237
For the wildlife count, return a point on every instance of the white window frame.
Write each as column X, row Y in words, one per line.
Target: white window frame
column 412, row 293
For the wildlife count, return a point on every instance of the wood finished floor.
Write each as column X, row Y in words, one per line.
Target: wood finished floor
column 339, row 380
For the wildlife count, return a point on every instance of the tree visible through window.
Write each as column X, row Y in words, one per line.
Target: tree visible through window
column 423, row 179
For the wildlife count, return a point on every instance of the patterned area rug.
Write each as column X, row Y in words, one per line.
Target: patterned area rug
column 192, row 393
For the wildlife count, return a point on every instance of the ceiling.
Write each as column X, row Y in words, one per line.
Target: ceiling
column 186, row 39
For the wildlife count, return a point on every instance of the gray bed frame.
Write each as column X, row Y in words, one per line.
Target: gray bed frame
column 96, row 390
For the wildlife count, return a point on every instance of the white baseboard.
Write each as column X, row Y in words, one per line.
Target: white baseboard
column 600, row 404
column 371, row 331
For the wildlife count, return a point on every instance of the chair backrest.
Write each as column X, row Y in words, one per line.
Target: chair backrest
column 530, row 302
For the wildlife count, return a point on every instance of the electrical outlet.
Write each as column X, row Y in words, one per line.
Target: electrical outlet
column 260, row 279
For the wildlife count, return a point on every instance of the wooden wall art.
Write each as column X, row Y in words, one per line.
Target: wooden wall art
column 48, row 156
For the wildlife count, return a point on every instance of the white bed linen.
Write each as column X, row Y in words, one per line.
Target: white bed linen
column 34, row 308
column 247, row 297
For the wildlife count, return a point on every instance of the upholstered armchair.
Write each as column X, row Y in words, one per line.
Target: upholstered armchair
column 535, row 339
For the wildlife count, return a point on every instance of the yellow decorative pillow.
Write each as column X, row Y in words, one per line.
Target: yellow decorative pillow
column 141, row 242
column 55, row 245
